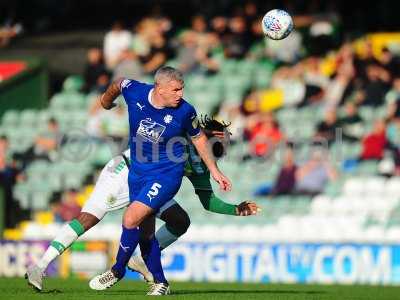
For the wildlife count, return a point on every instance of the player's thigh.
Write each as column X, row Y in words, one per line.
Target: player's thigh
column 136, row 213
column 106, row 196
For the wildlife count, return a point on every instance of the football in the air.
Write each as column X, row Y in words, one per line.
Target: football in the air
column 277, row 24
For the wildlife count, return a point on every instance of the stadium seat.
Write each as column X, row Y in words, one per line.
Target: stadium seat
column 73, row 83
column 28, row 118
column 367, row 168
column 392, row 234
column 374, row 186
column 354, row 186
column 22, row 193
column 10, row 118
column 392, row 187
column 321, row 205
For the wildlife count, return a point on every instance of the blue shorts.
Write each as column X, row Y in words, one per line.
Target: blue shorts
column 155, row 190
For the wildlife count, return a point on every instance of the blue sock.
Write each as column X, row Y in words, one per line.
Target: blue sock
column 128, row 242
column 151, row 254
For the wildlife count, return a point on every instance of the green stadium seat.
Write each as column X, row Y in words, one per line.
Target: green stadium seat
column 73, row 83
column 22, row 193
column 40, row 200
column 229, row 66
column 334, row 188
column 28, row 118
column 10, row 118
column 367, row 168
column 367, row 113
column 42, row 117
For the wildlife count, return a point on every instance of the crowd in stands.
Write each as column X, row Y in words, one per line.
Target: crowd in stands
column 336, row 83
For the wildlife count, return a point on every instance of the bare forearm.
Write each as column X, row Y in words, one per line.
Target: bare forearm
column 201, row 144
column 109, row 96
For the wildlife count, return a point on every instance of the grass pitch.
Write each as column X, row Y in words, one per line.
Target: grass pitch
column 71, row 289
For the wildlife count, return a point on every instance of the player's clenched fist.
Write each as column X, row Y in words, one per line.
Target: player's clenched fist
column 247, row 208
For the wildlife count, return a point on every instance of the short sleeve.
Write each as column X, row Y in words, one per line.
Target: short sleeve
column 191, row 123
column 128, row 87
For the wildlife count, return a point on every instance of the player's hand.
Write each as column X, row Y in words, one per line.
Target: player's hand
column 223, row 181
column 247, row 208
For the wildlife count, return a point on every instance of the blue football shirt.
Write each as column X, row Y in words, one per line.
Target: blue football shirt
column 157, row 136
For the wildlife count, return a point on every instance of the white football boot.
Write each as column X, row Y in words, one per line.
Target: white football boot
column 35, row 275
column 103, row 281
column 159, row 289
column 137, row 264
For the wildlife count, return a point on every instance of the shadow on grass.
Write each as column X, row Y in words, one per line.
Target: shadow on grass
column 53, row 291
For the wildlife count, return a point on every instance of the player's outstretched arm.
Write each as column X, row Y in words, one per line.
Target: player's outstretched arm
column 201, row 144
column 112, row 92
column 214, row 204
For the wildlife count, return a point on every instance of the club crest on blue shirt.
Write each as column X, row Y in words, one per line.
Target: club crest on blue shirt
column 150, row 130
column 167, row 119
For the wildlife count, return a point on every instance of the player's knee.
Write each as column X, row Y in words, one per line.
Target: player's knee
column 129, row 221
column 87, row 220
column 181, row 224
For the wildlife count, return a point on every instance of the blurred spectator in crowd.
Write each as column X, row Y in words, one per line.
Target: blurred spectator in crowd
column 47, row 141
column 326, row 129
column 250, row 13
column 264, row 134
column 7, row 33
column 315, row 81
column 376, row 85
column 351, row 123
column 374, row 143
column 94, row 69
column 341, row 84
column 158, row 54
column 45, row 144
column 289, row 80
column 116, row 41
column 199, row 25
column 9, row 173
column 69, row 208
column 237, row 42
column 389, row 62
column 140, row 40
column 362, row 62
column 286, row 180
column 65, row 205
column 321, row 34
column 219, row 25
column 312, row 177
column 392, row 99
column 128, row 66
column 193, row 57
column 55, row 206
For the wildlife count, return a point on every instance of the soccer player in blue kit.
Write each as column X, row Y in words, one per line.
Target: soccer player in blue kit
column 159, row 120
